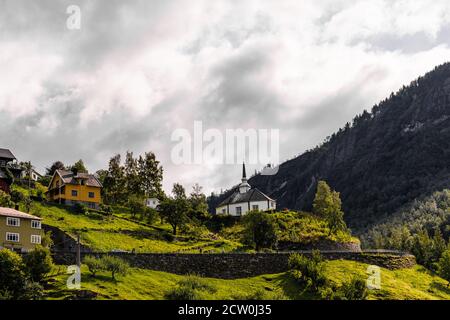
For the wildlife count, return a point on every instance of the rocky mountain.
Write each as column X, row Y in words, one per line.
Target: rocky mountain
column 384, row 159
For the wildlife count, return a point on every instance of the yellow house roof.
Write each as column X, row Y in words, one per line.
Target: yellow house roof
column 8, row 212
column 68, row 177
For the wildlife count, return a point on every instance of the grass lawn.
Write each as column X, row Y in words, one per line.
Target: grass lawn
column 103, row 233
column 413, row 283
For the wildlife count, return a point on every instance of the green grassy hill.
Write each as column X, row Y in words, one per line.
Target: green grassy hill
column 411, row 284
column 116, row 232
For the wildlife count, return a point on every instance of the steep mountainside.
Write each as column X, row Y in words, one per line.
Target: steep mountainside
column 383, row 160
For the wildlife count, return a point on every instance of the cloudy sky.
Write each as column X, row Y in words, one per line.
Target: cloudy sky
column 136, row 71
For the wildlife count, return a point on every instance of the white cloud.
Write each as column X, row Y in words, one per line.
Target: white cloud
column 138, row 70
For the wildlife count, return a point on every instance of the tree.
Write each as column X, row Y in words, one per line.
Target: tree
column 327, row 204
column 114, row 182
column 78, row 167
column 5, row 199
column 28, row 167
column 12, row 274
column 94, row 264
column 150, row 175
column 57, row 165
column 38, row 263
column 439, row 245
column 16, row 196
column 260, row 229
column 323, row 201
column 198, row 202
column 132, row 178
column 174, row 210
column 422, row 248
column 136, row 206
column 444, row 266
column 115, row 265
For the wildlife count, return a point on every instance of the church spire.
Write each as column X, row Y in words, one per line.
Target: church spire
column 244, row 186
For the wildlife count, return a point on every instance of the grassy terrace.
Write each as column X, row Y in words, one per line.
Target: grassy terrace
column 414, row 283
column 116, row 232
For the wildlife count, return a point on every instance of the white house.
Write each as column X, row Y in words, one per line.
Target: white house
column 35, row 176
column 245, row 198
column 152, row 203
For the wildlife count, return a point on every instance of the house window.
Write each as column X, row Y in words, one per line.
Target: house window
column 238, row 211
column 255, row 207
column 91, row 195
column 12, row 237
column 35, row 239
column 74, row 193
column 35, row 224
column 13, row 222
column 224, row 210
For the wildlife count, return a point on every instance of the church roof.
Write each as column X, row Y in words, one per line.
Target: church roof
column 251, row 195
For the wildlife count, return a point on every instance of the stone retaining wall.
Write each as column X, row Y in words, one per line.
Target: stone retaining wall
column 238, row 265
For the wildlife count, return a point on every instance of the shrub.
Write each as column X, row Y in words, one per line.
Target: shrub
column 17, row 196
column 33, row 291
column 115, row 265
column 182, row 293
column 80, row 208
column 5, row 199
column 190, row 288
column 12, row 275
column 151, row 215
column 94, row 264
column 355, row 289
column 260, row 230
column 38, row 263
column 309, row 272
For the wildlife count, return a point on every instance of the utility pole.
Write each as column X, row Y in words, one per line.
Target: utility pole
column 78, row 251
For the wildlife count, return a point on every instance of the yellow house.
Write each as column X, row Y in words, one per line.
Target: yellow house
column 69, row 188
column 19, row 231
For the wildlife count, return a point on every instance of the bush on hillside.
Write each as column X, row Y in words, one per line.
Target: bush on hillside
column 191, row 287
column 12, row 275
column 260, row 230
column 115, row 265
column 38, row 263
column 5, row 199
column 355, row 289
column 94, row 264
column 308, row 272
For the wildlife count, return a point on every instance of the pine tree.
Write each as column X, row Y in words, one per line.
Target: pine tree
column 328, row 205
column 150, row 175
column 198, row 202
column 131, row 172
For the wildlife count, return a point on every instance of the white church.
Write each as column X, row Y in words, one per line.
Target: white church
column 244, row 199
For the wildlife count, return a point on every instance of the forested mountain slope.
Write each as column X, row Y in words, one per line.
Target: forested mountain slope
column 383, row 160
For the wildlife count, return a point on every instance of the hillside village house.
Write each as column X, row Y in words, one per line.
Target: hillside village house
column 35, row 176
column 9, row 169
column 244, row 199
column 19, row 231
column 152, row 203
column 68, row 188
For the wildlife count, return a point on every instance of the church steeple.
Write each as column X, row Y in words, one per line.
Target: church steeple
column 244, row 186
